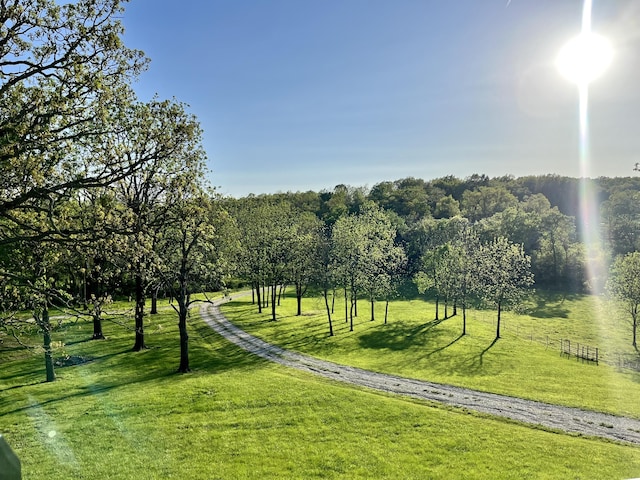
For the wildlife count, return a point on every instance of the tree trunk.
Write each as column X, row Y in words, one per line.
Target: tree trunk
column 139, row 315
column 326, row 303
column 635, row 327
column 455, row 309
column 437, row 307
column 48, row 354
column 299, row 294
column 183, row 313
column 346, row 306
column 386, row 311
column 258, row 298
column 273, row 303
column 464, row 319
column 97, row 325
column 154, row 301
column 333, row 300
column 373, row 315
column 253, row 294
column 351, row 314
column 281, row 292
column 498, row 324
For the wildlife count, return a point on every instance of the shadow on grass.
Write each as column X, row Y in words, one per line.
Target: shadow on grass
column 451, row 343
column 482, row 354
column 552, row 304
column 400, row 336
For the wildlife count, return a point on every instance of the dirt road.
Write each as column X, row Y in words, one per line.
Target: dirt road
column 567, row 419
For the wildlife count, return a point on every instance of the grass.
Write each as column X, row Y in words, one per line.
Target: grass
column 525, row 362
column 127, row 415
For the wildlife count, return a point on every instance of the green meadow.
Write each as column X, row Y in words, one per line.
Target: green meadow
column 123, row 415
column 525, row 362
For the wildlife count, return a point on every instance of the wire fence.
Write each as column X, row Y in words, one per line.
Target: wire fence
column 567, row 347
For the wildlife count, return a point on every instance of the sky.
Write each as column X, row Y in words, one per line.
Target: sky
column 297, row 95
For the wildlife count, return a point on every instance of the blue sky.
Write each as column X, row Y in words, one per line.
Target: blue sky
column 307, row 94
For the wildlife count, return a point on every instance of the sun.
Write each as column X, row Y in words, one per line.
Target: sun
column 584, row 58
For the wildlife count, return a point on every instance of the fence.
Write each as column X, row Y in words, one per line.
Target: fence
column 566, row 347
column 581, row 352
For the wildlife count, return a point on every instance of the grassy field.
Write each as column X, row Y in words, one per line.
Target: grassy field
column 525, row 362
column 126, row 415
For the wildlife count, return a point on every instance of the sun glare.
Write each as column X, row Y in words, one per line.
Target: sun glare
column 584, row 58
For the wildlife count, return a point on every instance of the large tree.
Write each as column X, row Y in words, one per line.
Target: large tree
column 165, row 141
column 624, row 284
column 64, row 74
column 193, row 253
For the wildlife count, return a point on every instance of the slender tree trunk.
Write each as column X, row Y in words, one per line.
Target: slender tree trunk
column 464, row 319
column 351, row 314
column 333, row 300
column 281, row 292
column 273, row 302
column 48, row 354
column 97, row 323
column 386, row 311
column 299, row 294
column 154, row 301
column 498, row 323
column 373, row 315
column 455, row 309
column 437, row 307
column 346, row 306
column 139, row 315
column 259, row 299
column 326, row 303
column 253, row 294
column 635, row 327
column 183, row 313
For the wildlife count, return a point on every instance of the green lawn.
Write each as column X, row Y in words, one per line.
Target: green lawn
column 525, row 362
column 127, row 415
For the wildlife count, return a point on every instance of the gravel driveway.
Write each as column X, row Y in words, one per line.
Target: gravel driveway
column 572, row 420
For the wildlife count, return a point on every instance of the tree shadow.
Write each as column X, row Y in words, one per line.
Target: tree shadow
column 399, row 336
column 482, row 354
column 451, row 343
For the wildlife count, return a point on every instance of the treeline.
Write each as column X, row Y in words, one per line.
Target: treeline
column 538, row 212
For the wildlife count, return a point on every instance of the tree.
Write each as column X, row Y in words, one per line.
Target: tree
column 486, row 201
column 192, row 254
column 446, row 207
column 164, row 140
column 64, row 76
column 323, row 275
column 624, row 285
column 622, row 216
column 502, row 274
column 304, row 248
column 364, row 256
column 32, row 271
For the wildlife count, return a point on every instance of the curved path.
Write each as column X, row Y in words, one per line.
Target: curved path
column 568, row 419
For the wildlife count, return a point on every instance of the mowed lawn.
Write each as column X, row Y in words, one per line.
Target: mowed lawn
column 125, row 415
column 524, row 362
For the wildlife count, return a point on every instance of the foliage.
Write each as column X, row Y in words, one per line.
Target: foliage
column 502, row 275
column 624, row 284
